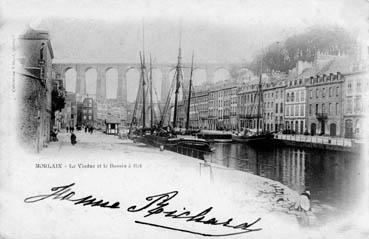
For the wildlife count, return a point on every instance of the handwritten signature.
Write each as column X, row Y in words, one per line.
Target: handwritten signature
column 157, row 204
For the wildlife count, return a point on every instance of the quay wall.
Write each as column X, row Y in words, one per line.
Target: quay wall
column 318, row 142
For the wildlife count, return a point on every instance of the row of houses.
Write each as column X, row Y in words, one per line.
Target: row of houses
column 326, row 97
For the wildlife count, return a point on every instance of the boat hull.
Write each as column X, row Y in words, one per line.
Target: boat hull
column 196, row 148
column 252, row 139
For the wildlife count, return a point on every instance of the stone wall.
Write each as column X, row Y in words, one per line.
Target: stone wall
column 34, row 88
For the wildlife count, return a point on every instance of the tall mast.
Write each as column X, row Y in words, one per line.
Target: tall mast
column 178, row 75
column 143, row 72
column 143, row 90
column 151, row 103
column 260, row 95
column 189, row 97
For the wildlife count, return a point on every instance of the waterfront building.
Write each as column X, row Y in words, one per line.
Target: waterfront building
column 199, row 110
column 273, row 98
column 248, row 105
column 33, row 72
column 279, row 103
column 325, row 94
column 325, row 104
column 295, row 99
column 223, row 105
column 356, row 101
column 212, row 117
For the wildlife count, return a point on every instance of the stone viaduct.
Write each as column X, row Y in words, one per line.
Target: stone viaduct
column 60, row 68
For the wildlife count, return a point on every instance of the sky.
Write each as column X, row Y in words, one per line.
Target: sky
column 217, row 31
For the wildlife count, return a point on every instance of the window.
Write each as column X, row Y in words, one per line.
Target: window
column 316, row 108
column 323, row 108
column 337, row 90
column 292, row 96
column 330, row 91
column 281, row 109
column 292, row 110
column 357, row 106
column 358, row 85
column 349, row 105
column 330, row 109
column 317, row 93
column 296, row 110
column 337, row 105
column 287, row 111
column 311, row 94
column 297, row 96
column 302, row 96
column 310, row 109
column 288, row 97
column 276, row 107
column 323, row 92
column 349, row 87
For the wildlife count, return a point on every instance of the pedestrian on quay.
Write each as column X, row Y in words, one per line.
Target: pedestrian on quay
column 92, row 129
column 86, row 128
column 67, row 129
column 73, row 138
column 56, row 134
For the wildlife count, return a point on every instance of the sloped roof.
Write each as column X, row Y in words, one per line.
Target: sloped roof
column 112, row 120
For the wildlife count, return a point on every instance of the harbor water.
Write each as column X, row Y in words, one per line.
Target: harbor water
column 333, row 178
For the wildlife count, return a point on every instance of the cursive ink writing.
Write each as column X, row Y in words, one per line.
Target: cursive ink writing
column 65, row 193
column 158, row 203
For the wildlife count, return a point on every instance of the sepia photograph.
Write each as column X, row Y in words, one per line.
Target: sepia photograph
column 184, row 119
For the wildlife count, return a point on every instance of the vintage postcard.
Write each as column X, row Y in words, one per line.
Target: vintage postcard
column 184, row 119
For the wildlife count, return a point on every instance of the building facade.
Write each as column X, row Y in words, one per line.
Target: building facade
column 88, row 112
column 70, row 111
column 356, row 102
column 324, row 106
column 199, row 109
column 279, row 103
column 269, row 107
column 247, row 106
column 295, row 104
column 223, row 101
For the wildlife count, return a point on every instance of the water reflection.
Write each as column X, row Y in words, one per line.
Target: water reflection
column 333, row 178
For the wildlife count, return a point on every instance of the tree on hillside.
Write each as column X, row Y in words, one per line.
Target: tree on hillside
column 304, row 46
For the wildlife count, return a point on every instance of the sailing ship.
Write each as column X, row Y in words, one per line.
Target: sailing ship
column 249, row 136
column 158, row 135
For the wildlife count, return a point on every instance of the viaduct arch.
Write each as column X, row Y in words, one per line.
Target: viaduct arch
column 60, row 68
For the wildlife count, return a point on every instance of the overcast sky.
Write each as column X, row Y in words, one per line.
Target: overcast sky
column 218, row 31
